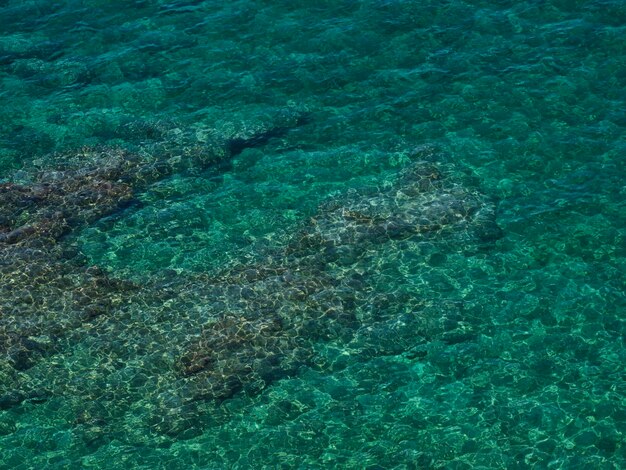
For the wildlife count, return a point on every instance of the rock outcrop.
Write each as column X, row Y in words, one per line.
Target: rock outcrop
column 176, row 343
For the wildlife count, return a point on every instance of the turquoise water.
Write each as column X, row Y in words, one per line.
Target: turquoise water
column 245, row 311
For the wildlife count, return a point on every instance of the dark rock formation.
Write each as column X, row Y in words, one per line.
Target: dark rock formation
column 48, row 297
column 176, row 343
column 420, row 202
column 267, row 313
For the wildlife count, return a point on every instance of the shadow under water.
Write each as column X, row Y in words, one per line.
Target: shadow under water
column 108, row 351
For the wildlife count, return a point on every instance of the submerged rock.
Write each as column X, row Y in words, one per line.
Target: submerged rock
column 196, row 338
column 46, row 291
column 420, row 202
column 295, row 300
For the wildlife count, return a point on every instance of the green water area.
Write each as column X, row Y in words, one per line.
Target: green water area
column 384, row 234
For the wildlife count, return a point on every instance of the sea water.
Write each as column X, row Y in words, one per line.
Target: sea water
column 508, row 356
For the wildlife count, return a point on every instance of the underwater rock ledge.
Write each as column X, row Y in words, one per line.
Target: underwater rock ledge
column 206, row 337
column 41, row 275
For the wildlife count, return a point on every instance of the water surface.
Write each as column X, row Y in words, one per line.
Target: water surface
column 458, row 355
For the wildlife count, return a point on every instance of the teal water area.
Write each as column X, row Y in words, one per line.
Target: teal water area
column 296, row 234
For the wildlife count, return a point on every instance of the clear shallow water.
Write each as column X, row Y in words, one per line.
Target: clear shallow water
column 507, row 356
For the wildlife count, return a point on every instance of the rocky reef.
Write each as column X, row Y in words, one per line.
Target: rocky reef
column 178, row 343
column 419, row 202
column 47, row 292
